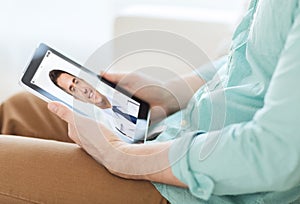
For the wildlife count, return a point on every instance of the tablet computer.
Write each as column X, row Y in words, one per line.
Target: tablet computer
column 53, row 77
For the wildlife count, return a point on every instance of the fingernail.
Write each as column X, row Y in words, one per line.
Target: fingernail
column 52, row 107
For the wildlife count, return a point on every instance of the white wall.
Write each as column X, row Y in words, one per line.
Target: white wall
column 76, row 27
column 217, row 4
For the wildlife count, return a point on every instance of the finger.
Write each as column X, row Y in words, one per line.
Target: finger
column 113, row 77
column 61, row 111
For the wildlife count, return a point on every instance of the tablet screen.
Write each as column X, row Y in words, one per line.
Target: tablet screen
column 58, row 78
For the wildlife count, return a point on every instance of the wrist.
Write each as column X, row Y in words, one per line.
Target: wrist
column 171, row 98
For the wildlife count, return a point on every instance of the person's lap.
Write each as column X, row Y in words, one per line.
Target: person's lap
column 52, row 169
column 27, row 115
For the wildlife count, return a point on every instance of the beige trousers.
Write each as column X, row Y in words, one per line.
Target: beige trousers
column 46, row 167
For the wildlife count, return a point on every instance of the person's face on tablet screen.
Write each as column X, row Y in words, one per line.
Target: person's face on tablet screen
column 82, row 90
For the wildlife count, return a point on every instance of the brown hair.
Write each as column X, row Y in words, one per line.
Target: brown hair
column 54, row 74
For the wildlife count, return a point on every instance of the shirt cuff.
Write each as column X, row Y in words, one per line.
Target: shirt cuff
column 200, row 185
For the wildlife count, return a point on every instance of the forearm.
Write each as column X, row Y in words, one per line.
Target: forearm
column 146, row 156
column 181, row 91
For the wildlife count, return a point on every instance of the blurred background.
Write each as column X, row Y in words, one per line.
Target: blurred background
column 77, row 28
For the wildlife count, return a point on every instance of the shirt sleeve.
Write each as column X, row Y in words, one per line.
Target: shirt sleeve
column 256, row 156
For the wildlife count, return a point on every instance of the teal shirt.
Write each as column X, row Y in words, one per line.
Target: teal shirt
column 238, row 140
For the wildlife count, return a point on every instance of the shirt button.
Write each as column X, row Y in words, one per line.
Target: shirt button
column 183, row 123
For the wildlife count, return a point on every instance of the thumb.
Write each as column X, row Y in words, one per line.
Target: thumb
column 61, row 111
column 113, row 77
